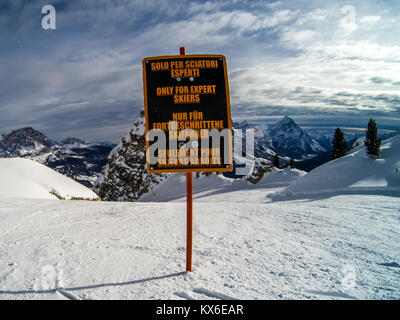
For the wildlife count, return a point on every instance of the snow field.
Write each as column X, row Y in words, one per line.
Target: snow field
column 299, row 250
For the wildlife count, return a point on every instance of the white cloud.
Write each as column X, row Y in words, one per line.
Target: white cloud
column 308, row 58
column 369, row 20
column 330, row 70
column 273, row 5
column 297, row 38
column 314, row 16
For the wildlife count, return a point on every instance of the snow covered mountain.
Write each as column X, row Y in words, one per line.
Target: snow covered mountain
column 285, row 138
column 324, row 136
column 355, row 173
column 75, row 158
column 311, row 147
column 290, row 140
column 24, row 178
column 25, row 142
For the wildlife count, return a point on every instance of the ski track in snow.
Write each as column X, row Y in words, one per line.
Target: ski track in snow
column 213, row 294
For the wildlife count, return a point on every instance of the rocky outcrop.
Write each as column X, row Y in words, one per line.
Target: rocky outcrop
column 260, row 167
column 125, row 177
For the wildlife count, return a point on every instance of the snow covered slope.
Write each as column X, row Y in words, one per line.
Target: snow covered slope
column 356, row 173
column 174, row 188
column 24, row 178
column 345, row 247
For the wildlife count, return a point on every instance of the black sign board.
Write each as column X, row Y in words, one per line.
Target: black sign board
column 186, row 98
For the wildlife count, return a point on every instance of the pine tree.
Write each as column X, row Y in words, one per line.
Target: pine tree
column 292, row 164
column 339, row 144
column 372, row 142
column 275, row 161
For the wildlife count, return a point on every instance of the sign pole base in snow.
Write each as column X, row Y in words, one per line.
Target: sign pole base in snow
column 189, row 208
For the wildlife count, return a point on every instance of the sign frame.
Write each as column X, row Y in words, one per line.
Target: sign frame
column 228, row 167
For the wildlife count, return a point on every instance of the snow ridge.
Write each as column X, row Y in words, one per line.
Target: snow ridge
column 355, row 173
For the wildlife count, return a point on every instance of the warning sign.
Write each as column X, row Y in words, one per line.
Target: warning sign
column 188, row 119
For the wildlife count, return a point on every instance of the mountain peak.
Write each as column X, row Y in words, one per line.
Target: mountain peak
column 286, row 124
column 289, row 139
column 25, row 131
column 27, row 138
column 286, row 121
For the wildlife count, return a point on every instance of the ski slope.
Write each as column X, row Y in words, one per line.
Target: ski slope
column 334, row 246
column 24, row 178
column 344, row 247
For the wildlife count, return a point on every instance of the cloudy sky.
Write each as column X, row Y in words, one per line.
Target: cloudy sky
column 321, row 62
